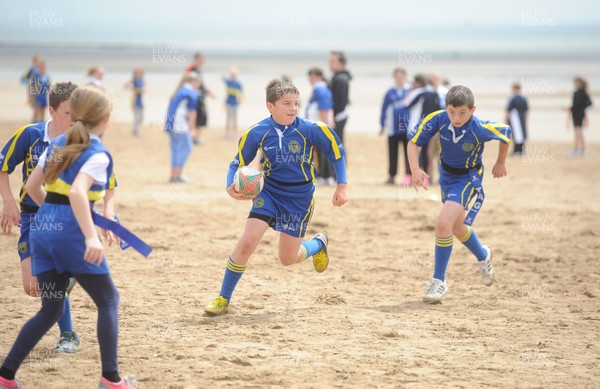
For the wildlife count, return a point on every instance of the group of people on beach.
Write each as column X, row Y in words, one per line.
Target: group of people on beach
column 66, row 169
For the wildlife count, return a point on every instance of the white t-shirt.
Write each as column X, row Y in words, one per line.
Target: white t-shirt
column 95, row 167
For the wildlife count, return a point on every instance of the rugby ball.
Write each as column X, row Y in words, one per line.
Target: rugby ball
column 248, row 181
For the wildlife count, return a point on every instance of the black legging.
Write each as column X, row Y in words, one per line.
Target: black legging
column 53, row 288
column 393, row 145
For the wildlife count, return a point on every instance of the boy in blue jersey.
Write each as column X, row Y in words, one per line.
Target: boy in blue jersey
column 181, row 119
column 286, row 144
column 394, row 122
column 462, row 137
column 26, row 79
column 320, row 108
column 233, row 90
column 26, row 146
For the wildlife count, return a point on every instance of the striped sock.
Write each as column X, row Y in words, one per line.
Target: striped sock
column 443, row 249
column 309, row 248
column 471, row 241
column 233, row 273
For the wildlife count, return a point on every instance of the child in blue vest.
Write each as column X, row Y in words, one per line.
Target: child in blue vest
column 76, row 169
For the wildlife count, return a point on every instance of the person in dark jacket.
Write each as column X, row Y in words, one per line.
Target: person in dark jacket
column 516, row 117
column 340, row 88
column 581, row 101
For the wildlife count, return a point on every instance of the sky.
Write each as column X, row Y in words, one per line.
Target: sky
column 309, row 24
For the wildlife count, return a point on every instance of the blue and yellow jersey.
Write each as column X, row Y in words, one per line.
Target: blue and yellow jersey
column 462, row 148
column 25, row 146
column 138, row 91
column 62, row 185
column 321, row 100
column 233, row 89
column 287, row 153
column 184, row 101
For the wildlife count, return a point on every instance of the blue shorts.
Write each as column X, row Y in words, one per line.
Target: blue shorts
column 41, row 101
column 181, row 148
column 290, row 215
column 23, row 246
column 457, row 188
column 57, row 243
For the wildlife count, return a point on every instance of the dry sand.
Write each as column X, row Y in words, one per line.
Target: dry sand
column 361, row 323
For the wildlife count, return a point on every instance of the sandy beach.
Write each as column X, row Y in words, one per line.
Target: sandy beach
column 361, row 324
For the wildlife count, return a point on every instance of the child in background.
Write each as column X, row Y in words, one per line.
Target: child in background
column 233, row 89
column 41, row 86
column 137, row 85
column 181, row 118
column 27, row 80
column 394, row 121
column 462, row 138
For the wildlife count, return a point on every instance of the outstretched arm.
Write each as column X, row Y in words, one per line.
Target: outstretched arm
column 418, row 175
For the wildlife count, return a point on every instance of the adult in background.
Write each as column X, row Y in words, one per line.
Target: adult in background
column 581, row 101
column 340, row 88
column 516, row 117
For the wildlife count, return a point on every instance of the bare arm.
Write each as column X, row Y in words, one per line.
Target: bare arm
column 109, row 213
column 94, row 252
column 35, row 186
column 499, row 169
column 192, row 119
column 10, row 213
column 418, row 175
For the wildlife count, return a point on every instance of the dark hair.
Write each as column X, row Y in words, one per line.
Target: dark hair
column 399, row 70
column 198, row 55
column 315, row 72
column 581, row 82
column 420, row 79
column 278, row 87
column 341, row 56
column 60, row 92
column 460, row 95
column 516, row 85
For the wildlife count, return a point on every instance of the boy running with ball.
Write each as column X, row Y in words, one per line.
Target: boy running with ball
column 462, row 138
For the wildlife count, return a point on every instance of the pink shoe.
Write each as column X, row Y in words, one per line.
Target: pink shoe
column 125, row 383
column 407, row 181
column 10, row 384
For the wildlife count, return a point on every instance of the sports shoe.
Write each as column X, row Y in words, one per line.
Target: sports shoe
column 485, row 268
column 390, row 181
column 331, row 181
column 436, row 289
column 321, row 259
column 125, row 383
column 179, row 180
column 217, row 307
column 10, row 384
column 68, row 343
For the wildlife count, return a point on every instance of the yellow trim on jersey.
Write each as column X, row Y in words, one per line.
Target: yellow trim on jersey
column 329, row 135
column 61, row 187
column 492, row 128
column 112, row 181
column 241, row 146
column 11, row 149
column 308, row 215
column 303, row 154
column 233, row 92
column 312, row 166
column 423, row 122
column 462, row 194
